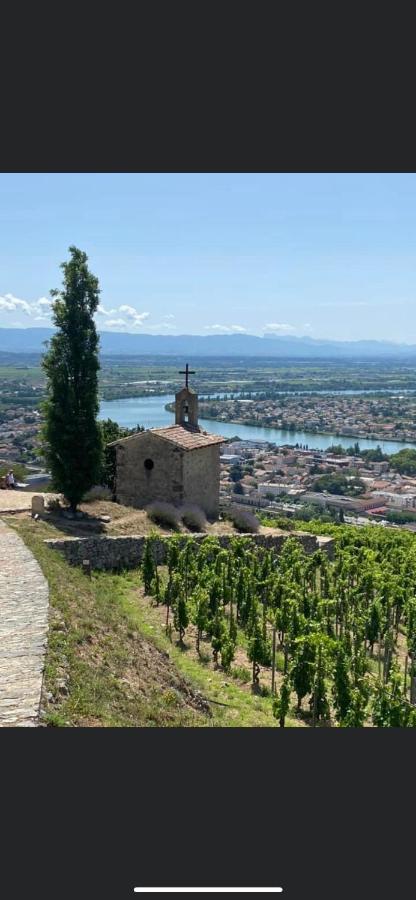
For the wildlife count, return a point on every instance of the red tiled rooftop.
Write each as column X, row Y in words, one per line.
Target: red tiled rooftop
column 186, row 438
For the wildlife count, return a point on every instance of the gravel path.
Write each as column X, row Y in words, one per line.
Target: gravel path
column 23, row 631
column 19, row 501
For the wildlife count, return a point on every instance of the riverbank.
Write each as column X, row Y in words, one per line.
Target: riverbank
column 372, row 436
column 154, row 412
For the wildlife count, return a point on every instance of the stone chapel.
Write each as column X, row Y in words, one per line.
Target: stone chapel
column 179, row 463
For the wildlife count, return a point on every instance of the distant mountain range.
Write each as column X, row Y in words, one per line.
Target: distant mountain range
column 31, row 340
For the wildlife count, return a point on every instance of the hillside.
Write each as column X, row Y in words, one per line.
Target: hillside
column 110, row 664
column 31, row 340
column 199, row 636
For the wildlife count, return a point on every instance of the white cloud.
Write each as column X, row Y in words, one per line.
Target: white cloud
column 36, row 309
column 135, row 317
column 113, row 323
column 102, row 311
column 226, row 329
column 124, row 316
column 279, row 328
column 130, row 315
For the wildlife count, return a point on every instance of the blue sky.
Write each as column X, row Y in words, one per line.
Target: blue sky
column 325, row 255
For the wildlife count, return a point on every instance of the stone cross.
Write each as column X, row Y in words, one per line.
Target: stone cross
column 187, row 372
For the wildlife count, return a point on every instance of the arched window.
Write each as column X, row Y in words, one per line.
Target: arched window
column 148, row 464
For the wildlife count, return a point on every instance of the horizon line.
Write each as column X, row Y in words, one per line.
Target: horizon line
column 267, row 337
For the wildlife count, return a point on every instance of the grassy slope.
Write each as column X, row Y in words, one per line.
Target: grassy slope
column 109, row 663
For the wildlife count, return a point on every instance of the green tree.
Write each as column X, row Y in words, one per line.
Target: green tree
column 227, row 653
column 200, row 612
column 404, row 461
column 218, row 634
column 180, row 616
column 338, row 483
column 357, row 711
column 302, row 669
column 342, row 685
column 319, row 701
column 373, row 626
column 258, row 649
column 281, row 702
column 148, row 565
column 391, row 709
column 72, row 436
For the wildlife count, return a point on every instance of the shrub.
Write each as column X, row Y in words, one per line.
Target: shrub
column 241, row 673
column 53, row 504
column 163, row 513
column 98, row 492
column 193, row 517
column 243, row 519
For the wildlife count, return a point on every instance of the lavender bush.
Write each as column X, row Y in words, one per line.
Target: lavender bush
column 163, row 513
column 243, row 519
column 193, row 517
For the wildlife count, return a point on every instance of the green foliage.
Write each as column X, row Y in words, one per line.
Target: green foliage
column 376, row 455
column 329, row 617
column 357, row 711
column 374, row 623
column 391, row 709
column 404, row 461
column 112, row 431
column 148, row 565
column 400, row 516
column 342, row 685
column 218, row 634
column 72, row 436
column 338, row 483
column 227, row 653
column 180, row 615
column 281, row 703
column 200, row 612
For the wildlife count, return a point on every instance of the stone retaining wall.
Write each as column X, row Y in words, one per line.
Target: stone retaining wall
column 125, row 552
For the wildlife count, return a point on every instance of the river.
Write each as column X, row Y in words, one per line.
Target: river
column 151, row 413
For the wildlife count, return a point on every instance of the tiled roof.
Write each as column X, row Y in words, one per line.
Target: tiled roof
column 189, row 439
column 186, row 438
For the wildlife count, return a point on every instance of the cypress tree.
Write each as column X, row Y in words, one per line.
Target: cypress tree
column 72, row 436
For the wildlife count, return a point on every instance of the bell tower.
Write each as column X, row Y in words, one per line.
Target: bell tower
column 186, row 404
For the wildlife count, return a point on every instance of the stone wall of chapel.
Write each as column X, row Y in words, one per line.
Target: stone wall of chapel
column 201, row 476
column 138, row 485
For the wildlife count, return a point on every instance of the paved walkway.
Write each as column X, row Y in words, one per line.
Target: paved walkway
column 23, row 631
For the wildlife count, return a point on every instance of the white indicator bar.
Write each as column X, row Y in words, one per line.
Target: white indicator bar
column 208, row 890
